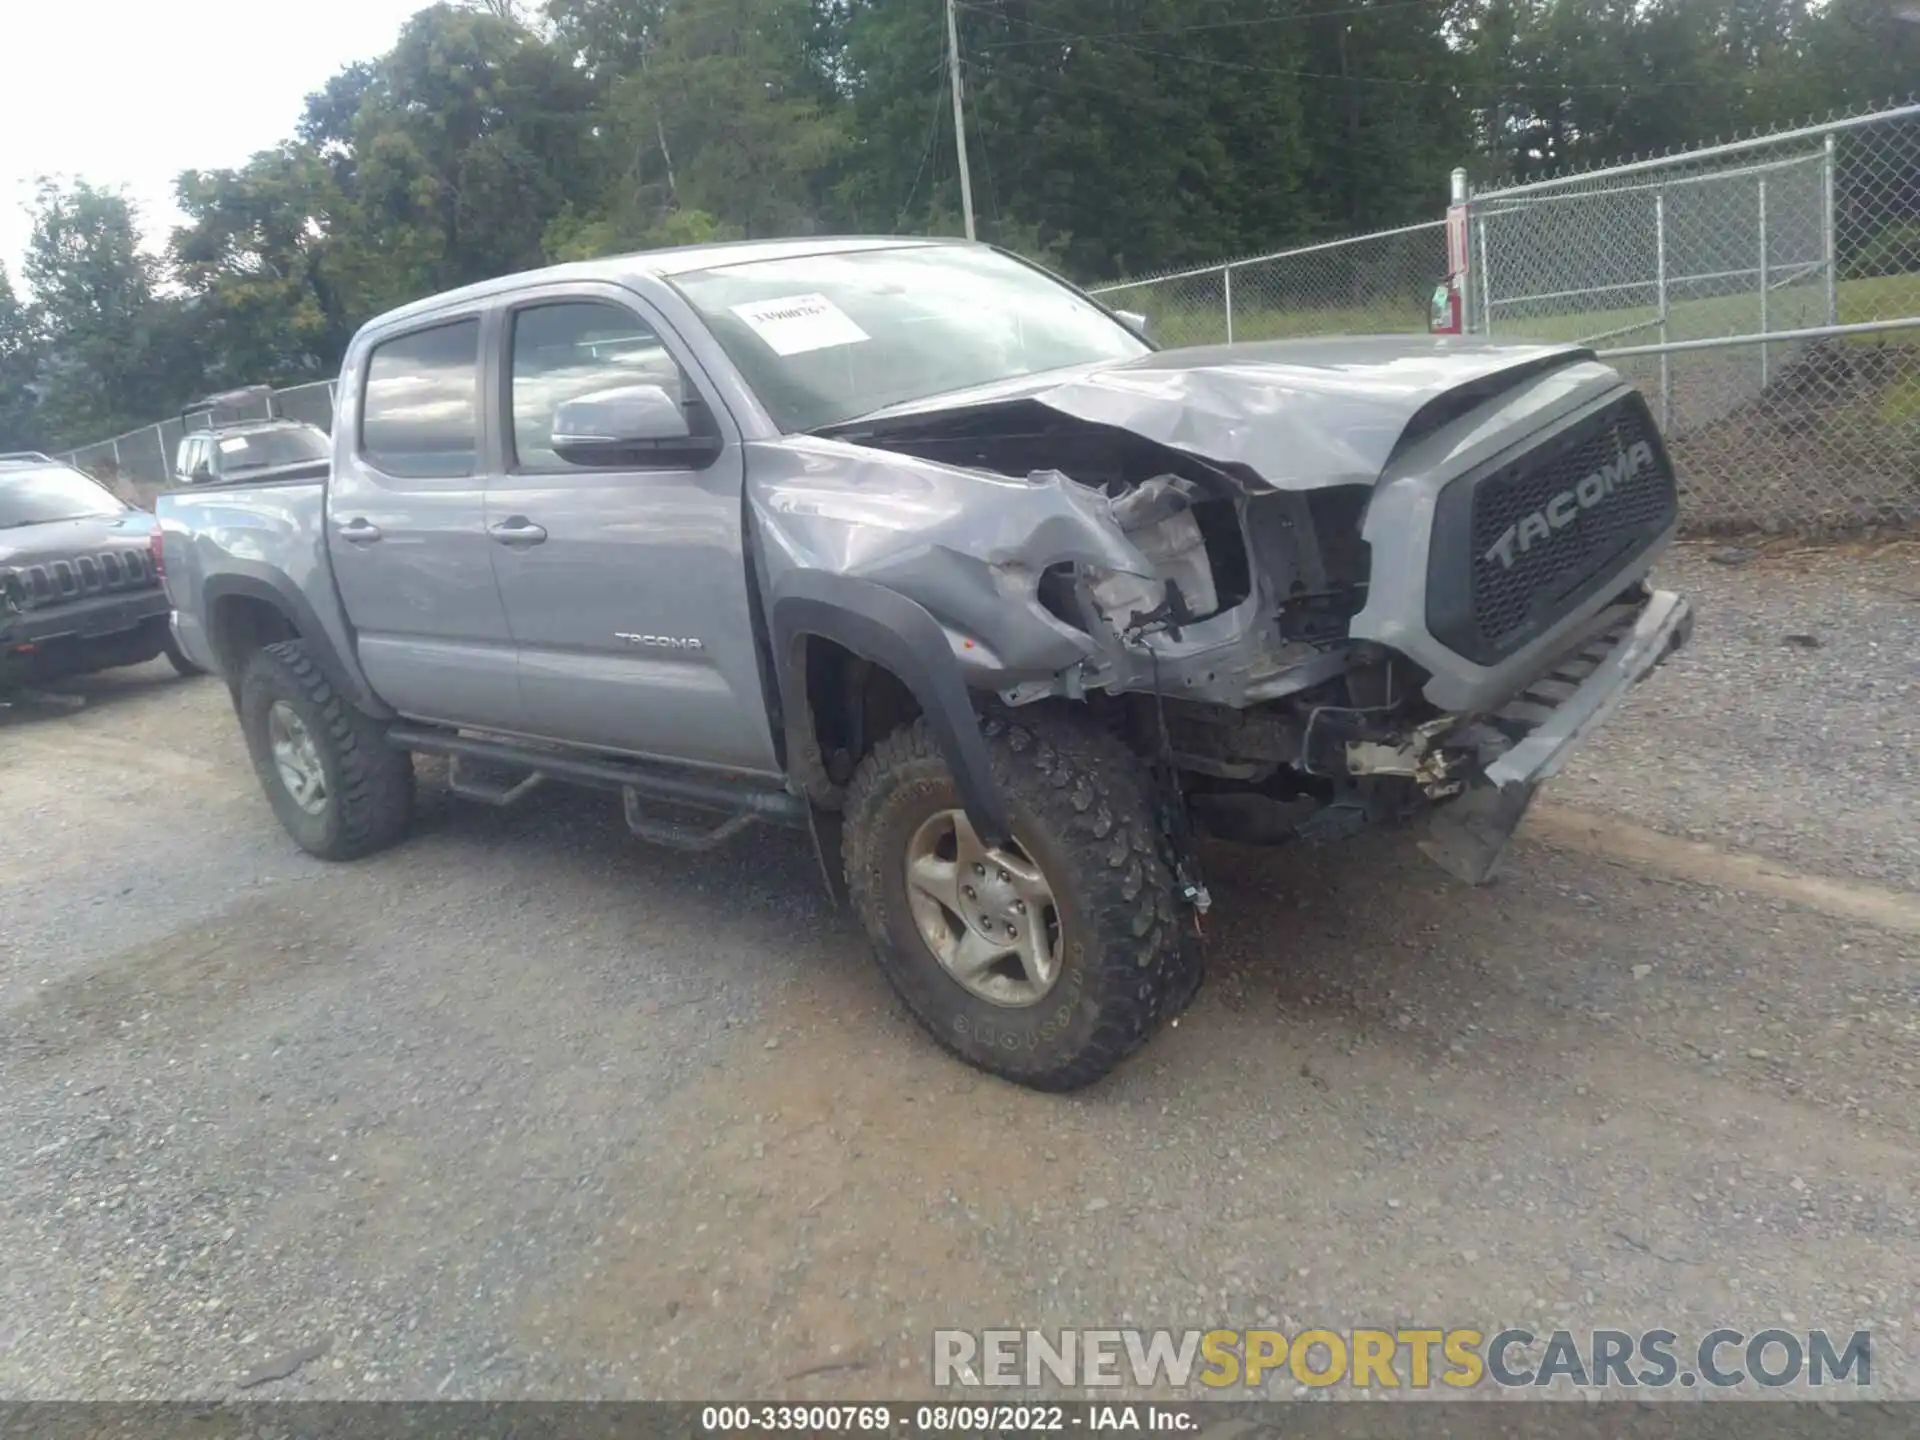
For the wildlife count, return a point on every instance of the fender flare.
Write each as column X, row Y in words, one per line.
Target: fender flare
column 268, row 587
column 886, row 628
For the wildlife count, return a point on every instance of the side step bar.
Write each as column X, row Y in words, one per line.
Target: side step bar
column 738, row 803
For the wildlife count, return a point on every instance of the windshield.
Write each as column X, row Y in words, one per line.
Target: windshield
column 53, row 492
column 265, row 449
column 826, row 338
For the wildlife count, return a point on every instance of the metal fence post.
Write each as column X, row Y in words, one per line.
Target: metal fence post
column 160, row 444
column 1660, row 290
column 1226, row 287
column 1458, row 195
column 1764, row 357
column 1830, row 234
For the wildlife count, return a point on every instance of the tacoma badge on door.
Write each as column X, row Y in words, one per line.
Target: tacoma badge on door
column 662, row 642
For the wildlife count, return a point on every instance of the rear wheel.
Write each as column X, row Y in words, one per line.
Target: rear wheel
column 339, row 789
column 1046, row 960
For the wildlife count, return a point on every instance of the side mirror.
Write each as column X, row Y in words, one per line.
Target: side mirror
column 638, row 425
column 201, row 474
column 1136, row 322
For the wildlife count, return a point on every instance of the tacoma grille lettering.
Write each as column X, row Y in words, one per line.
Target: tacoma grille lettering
column 1565, row 507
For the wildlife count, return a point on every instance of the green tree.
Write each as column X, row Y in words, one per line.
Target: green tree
column 467, row 141
column 113, row 353
column 257, row 256
column 1129, row 135
column 718, row 129
column 19, row 411
column 608, row 37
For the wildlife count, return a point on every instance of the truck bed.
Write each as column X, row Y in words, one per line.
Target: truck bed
column 266, row 538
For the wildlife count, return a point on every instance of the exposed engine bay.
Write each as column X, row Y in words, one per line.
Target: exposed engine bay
column 1244, row 600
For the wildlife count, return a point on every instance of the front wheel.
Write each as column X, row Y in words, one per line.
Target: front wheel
column 1047, row 960
column 339, row 789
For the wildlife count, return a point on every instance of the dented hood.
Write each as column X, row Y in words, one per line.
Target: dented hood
column 1296, row 414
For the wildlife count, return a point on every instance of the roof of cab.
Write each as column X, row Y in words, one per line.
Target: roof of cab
column 680, row 260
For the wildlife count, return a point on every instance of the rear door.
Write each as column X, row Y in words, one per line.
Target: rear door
column 625, row 588
column 406, row 529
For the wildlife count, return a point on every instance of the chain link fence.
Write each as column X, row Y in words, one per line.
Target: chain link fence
column 1794, row 257
column 1765, row 294
column 1365, row 284
column 139, row 464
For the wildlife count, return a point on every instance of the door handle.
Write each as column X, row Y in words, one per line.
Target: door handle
column 360, row 530
column 517, row 530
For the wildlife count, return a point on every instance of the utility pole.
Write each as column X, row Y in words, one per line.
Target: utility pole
column 959, row 120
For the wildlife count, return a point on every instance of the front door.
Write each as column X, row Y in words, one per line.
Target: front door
column 625, row 589
column 406, row 532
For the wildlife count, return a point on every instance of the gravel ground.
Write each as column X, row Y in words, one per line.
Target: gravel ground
column 524, row 1108
column 1791, row 726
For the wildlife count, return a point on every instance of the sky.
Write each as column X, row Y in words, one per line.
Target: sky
column 132, row 92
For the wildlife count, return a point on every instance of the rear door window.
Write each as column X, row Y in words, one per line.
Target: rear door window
column 420, row 416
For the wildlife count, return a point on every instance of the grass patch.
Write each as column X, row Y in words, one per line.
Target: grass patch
column 1900, row 403
column 1200, row 319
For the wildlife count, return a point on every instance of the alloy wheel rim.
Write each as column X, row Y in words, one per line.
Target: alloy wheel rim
column 296, row 758
column 987, row 913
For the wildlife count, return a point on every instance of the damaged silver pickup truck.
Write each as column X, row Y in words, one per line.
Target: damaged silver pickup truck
column 912, row 545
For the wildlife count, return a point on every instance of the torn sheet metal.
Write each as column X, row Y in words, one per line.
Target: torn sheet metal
column 968, row 545
column 1296, row 414
column 1268, row 430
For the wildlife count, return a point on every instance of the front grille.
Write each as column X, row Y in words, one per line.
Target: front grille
column 53, row 581
column 1521, row 544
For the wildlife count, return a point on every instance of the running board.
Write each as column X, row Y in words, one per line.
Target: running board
column 468, row 778
column 679, row 835
column 735, row 802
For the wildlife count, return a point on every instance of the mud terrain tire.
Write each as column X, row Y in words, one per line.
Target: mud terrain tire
column 367, row 797
column 1083, row 813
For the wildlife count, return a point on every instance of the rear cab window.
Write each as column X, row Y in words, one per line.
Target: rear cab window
column 267, row 449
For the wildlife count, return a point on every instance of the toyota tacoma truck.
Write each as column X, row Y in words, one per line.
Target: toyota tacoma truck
column 914, row 546
column 79, row 587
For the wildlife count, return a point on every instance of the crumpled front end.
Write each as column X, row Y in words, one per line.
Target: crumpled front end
column 1315, row 581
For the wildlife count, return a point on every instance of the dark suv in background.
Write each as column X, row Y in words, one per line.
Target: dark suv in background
column 79, row 577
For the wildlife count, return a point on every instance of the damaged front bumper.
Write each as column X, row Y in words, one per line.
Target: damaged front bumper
column 1468, row 834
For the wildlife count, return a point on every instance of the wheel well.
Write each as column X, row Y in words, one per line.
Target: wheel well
column 242, row 624
column 851, row 703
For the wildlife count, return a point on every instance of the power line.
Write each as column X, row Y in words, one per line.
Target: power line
column 926, row 149
column 986, row 173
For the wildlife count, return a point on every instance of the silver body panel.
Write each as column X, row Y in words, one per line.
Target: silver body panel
column 557, row 641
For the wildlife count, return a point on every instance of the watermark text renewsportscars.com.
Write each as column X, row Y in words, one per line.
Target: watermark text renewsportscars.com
column 1401, row 1358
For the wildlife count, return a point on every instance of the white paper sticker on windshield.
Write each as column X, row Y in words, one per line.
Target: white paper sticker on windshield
column 797, row 323
column 233, row 443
